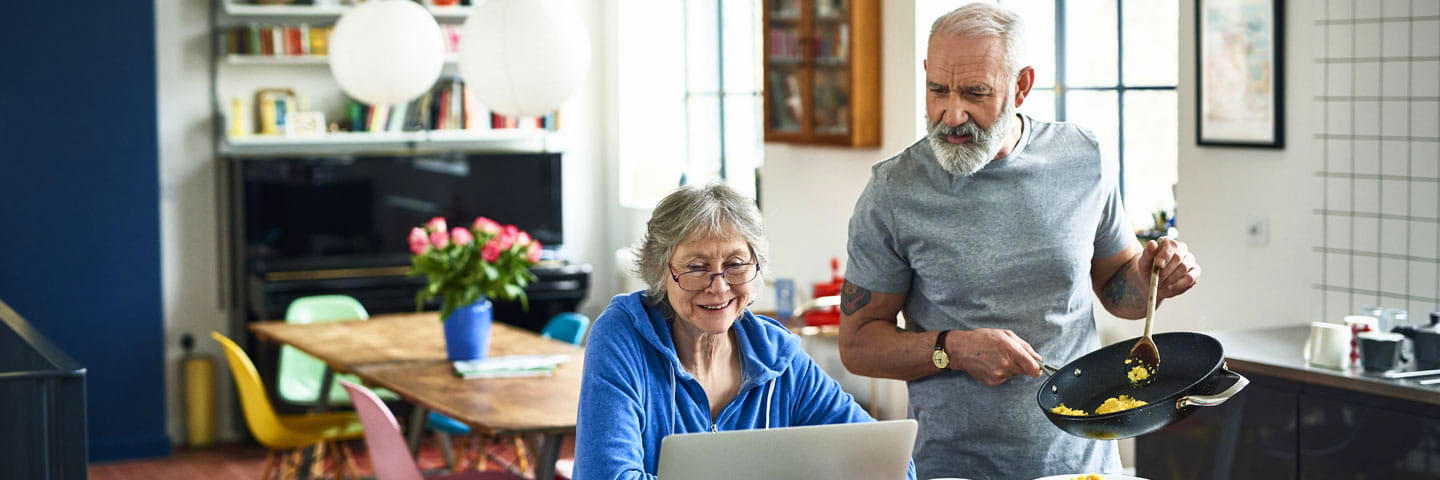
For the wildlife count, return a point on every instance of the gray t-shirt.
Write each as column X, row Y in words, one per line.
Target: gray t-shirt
column 1008, row 247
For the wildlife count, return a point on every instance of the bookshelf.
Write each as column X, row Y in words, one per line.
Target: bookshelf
column 392, row 143
column 247, row 59
column 293, row 59
column 327, row 12
column 822, row 72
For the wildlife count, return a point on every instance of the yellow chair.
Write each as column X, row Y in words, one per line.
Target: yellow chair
column 288, row 432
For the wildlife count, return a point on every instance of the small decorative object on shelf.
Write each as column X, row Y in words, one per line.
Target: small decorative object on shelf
column 301, row 124
column 237, row 120
column 466, row 267
column 271, row 108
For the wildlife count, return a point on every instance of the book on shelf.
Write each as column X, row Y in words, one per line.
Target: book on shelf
column 509, row 366
column 448, row 106
column 289, row 40
column 543, row 122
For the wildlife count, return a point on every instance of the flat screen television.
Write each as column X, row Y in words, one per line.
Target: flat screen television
column 337, row 212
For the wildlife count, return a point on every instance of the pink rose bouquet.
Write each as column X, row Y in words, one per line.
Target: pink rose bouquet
column 465, row 263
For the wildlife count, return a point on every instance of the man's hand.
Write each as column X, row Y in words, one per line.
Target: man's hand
column 1178, row 269
column 991, row 355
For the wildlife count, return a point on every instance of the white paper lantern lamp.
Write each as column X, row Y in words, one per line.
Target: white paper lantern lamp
column 523, row 57
column 386, row 52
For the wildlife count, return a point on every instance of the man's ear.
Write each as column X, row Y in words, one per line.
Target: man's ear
column 1023, row 82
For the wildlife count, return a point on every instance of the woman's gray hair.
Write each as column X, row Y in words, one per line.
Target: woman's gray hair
column 986, row 20
column 692, row 212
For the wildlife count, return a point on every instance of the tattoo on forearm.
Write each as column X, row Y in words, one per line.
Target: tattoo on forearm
column 853, row 298
column 1122, row 291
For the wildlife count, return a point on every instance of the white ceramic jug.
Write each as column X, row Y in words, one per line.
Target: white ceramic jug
column 1328, row 345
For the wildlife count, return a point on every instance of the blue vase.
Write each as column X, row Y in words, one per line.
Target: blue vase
column 467, row 331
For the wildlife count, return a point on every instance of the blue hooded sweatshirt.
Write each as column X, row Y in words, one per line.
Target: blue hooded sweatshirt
column 634, row 392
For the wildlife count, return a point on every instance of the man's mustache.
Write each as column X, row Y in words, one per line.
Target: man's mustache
column 967, row 128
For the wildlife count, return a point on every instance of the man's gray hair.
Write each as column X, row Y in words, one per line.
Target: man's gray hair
column 986, row 20
column 689, row 213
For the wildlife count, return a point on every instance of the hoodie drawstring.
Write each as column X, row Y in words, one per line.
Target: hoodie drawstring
column 770, row 392
column 674, row 401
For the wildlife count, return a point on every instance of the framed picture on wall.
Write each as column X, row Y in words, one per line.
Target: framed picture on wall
column 1239, row 59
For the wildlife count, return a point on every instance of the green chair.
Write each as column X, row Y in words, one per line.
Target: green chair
column 299, row 378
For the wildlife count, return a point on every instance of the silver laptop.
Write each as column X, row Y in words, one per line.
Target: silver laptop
column 848, row 451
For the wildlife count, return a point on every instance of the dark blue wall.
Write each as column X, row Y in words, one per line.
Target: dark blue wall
column 79, row 204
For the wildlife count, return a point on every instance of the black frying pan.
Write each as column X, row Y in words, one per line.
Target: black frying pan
column 1192, row 373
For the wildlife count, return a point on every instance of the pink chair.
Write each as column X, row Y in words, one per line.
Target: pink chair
column 389, row 455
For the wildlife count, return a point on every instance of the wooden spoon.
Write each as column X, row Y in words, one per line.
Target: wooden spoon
column 1144, row 361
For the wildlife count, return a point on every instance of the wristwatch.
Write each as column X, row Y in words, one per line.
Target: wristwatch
column 939, row 357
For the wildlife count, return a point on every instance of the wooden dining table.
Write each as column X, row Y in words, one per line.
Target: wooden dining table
column 405, row 353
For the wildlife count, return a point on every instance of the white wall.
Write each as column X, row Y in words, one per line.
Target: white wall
column 1221, row 188
column 192, row 272
column 807, row 192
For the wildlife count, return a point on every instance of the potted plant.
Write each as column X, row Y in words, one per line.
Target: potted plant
column 466, row 267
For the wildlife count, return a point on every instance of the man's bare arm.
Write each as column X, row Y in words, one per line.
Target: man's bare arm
column 871, row 345
column 1122, row 281
column 1117, row 283
column 870, row 342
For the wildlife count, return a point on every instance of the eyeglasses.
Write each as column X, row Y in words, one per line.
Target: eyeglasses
column 697, row 280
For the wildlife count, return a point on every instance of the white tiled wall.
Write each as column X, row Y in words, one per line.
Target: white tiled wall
column 1379, row 166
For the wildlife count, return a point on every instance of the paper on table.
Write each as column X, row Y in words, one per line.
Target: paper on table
column 510, row 366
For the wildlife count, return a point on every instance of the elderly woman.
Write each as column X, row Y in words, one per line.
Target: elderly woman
column 686, row 355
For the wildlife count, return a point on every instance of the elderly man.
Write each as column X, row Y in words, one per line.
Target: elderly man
column 990, row 234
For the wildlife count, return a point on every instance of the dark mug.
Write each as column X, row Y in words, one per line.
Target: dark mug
column 1380, row 351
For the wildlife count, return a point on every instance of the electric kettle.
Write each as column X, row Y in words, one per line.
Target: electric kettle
column 1427, row 342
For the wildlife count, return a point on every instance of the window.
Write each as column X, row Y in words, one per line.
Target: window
column 1107, row 65
column 688, row 96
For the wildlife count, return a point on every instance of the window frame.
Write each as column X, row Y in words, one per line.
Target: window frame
column 1061, row 87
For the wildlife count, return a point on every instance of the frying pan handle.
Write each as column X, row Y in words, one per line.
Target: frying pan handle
column 1216, row 399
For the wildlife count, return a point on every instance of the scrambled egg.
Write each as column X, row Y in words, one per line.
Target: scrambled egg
column 1138, row 373
column 1115, row 404
column 1088, row 476
column 1064, row 410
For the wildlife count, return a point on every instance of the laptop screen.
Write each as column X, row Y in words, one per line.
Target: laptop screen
column 849, row 451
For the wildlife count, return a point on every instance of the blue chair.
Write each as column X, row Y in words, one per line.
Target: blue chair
column 566, row 327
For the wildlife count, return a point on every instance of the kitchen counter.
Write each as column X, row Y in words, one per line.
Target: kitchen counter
column 1300, row 422
column 1277, row 352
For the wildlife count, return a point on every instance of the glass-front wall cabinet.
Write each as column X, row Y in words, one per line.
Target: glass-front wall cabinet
column 822, row 72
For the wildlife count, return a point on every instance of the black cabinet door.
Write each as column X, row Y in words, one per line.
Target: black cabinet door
column 1347, row 436
column 1251, row 436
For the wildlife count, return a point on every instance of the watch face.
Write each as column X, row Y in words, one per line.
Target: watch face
column 941, row 359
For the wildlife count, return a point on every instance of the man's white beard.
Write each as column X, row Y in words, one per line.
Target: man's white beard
column 967, row 158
